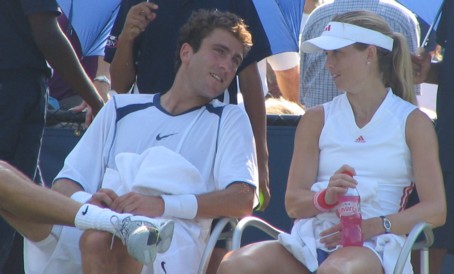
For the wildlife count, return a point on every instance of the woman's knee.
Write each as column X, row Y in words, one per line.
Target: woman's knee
column 238, row 263
column 261, row 257
column 351, row 260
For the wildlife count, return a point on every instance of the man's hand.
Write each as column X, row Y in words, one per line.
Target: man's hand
column 103, row 198
column 421, row 66
column 88, row 112
column 137, row 20
column 138, row 204
column 264, row 187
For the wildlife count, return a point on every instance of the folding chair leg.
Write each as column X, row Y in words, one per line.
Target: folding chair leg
column 424, row 261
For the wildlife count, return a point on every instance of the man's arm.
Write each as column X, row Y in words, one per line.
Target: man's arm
column 58, row 52
column 287, row 70
column 288, row 82
column 235, row 201
column 254, row 102
column 122, row 67
column 103, row 84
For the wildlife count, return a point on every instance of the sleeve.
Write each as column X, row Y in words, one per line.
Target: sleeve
column 87, row 162
column 36, row 6
column 236, row 159
column 261, row 46
column 283, row 60
column 107, row 13
column 442, row 29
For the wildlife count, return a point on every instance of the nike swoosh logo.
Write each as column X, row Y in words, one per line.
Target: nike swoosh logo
column 163, row 267
column 159, row 137
column 85, row 211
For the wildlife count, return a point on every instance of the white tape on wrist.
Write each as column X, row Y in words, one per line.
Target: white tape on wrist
column 81, row 196
column 180, row 206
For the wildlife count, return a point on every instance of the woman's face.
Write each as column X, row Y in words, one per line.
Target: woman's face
column 348, row 66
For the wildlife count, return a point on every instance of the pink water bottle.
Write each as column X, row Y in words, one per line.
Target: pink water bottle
column 350, row 218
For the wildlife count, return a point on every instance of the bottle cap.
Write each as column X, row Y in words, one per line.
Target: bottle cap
column 346, row 172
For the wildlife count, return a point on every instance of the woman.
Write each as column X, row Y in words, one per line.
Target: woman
column 373, row 131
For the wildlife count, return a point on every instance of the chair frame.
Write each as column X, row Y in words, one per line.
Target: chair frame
column 410, row 244
column 217, row 234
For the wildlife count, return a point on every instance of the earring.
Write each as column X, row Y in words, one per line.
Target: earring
column 368, row 62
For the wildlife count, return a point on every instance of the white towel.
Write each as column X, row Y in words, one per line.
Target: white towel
column 304, row 240
column 158, row 170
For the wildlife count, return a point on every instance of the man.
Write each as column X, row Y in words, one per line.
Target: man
column 441, row 73
column 286, row 71
column 30, row 37
column 193, row 159
column 143, row 43
column 316, row 83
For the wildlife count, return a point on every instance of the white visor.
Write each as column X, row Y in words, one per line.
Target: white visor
column 337, row 35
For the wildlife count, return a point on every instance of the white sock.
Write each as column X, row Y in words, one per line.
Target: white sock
column 93, row 217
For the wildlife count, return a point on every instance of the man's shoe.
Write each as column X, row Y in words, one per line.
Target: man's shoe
column 145, row 237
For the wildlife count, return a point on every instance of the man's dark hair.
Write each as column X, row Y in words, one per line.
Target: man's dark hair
column 202, row 23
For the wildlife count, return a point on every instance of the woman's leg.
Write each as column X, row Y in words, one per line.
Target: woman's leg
column 261, row 257
column 351, row 260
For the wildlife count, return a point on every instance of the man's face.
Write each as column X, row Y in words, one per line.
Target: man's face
column 214, row 65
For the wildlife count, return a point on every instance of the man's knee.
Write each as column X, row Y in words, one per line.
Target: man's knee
column 94, row 241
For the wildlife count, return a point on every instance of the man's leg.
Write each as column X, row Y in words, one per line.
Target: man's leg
column 21, row 200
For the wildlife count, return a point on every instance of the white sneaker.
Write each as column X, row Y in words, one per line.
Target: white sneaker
column 145, row 237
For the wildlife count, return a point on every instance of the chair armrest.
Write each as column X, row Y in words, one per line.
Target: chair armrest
column 410, row 243
column 254, row 222
column 216, row 233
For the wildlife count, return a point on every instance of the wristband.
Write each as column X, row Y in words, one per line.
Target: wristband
column 81, row 196
column 103, row 79
column 180, row 206
column 319, row 201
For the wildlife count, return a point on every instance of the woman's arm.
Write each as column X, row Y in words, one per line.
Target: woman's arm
column 428, row 178
column 304, row 165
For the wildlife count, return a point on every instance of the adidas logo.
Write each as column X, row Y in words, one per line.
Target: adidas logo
column 360, row 139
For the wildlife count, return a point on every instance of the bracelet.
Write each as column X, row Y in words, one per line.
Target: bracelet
column 319, row 201
column 183, row 206
column 103, row 79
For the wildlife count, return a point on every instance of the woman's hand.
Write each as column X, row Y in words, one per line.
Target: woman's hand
column 331, row 237
column 339, row 184
column 369, row 228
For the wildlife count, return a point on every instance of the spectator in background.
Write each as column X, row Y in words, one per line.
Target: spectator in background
column 316, row 83
column 87, row 25
column 285, row 67
column 30, row 37
column 309, row 6
column 142, row 47
column 441, row 73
